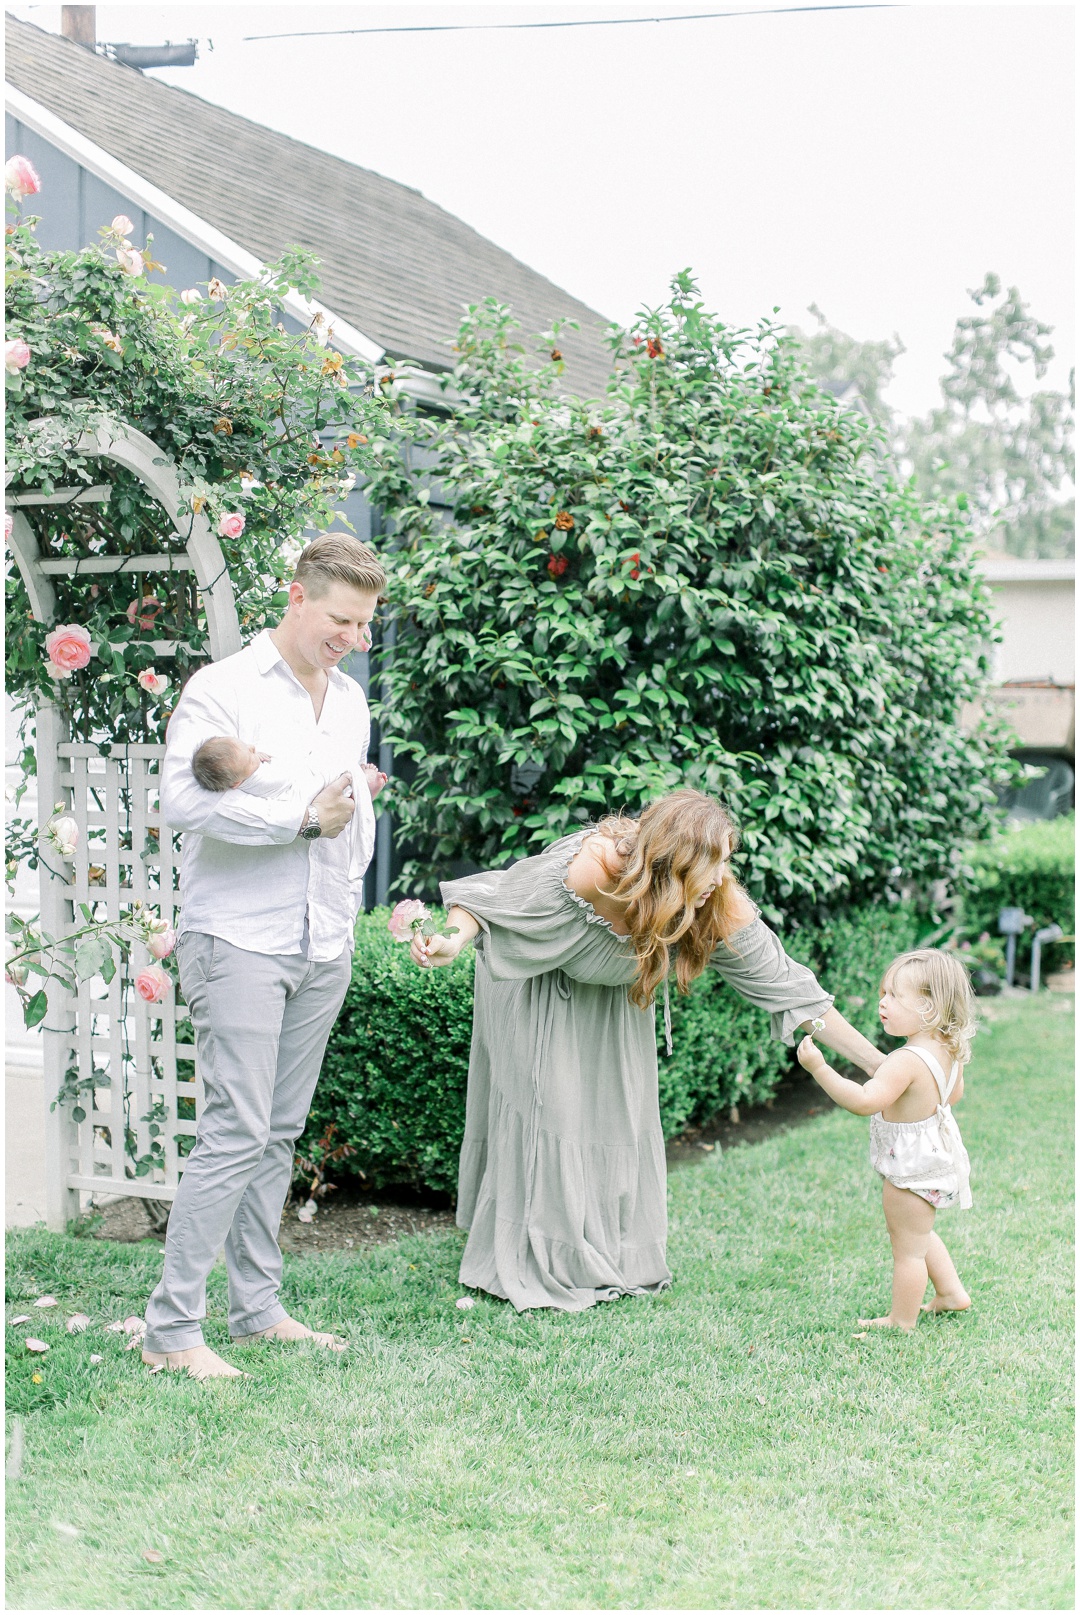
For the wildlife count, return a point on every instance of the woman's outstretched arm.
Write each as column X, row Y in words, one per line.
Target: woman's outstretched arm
column 443, row 950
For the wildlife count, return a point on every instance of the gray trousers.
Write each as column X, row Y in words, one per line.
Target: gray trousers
column 261, row 1026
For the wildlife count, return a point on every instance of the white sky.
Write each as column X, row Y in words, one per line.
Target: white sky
column 875, row 161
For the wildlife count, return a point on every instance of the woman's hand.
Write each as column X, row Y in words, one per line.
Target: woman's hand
column 435, row 950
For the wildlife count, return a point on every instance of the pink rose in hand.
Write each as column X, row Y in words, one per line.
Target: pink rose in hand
column 68, row 648
column 407, row 916
column 161, row 943
column 16, row 356
column 153, row 984
column 20, row 178
column 231, row 524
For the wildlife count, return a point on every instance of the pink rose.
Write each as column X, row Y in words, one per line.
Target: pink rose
column 68, row 648
column 217, row 290
column 161, row 943
column 63, row 834
column 153, row 683
column 130, row 261
column 407, row 915
column 190, row 294
column 20, row 178
column 121, row 225
column 153, row 984
column 364, row 642
column 231, row 524
column 9, row 524
column 137, row 606
column 16, row 357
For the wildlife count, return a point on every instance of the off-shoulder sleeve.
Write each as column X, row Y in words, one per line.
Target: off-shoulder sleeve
column 755, row 964
column 527, row 927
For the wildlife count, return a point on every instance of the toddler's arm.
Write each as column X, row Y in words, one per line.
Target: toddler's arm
column 893, row 1076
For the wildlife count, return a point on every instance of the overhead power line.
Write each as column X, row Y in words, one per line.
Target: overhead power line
column 577, row 22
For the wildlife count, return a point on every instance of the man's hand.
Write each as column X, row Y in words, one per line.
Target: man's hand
column 810, row 1057
column 334, row 807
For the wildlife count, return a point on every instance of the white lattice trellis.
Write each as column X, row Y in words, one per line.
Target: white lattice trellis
column 127, row 1067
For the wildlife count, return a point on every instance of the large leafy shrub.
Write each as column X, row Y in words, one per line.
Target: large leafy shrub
column 1033, row 867
column 709, row 578
column 394, row 1077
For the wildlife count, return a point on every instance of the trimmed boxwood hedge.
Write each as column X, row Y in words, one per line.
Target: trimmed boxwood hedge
column 1033, row 867
column 394, row 1077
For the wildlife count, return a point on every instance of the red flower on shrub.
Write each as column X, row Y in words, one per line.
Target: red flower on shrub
column 655, row 348
column 635, row 570
column 557, row 565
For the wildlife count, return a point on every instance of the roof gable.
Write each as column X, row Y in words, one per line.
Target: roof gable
column 397, row 266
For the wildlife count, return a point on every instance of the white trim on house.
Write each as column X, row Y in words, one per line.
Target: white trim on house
column 218, row 246
column 1004, row 569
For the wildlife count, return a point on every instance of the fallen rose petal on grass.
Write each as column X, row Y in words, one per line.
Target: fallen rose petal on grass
column 464, row 1302
column 153, row 1557
column 117, row 1328
column 64, row 1529
column 45, row 1301
column 134, row 1325
column 77, row 1323
column 96, row 1357
column 35, row 1345
column 24, row 1317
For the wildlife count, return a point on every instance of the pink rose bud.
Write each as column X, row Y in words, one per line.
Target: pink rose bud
column 190, row 294
column 364, row 642
column 137, row 606
column 17, row 972
column 153, row 683
column 121, row 225
column 20, row 178
column 16, row 357
column 130, row 261
column 153, row 984
column 231, row 524
column 162, row 943
column 9, row 524
column 68, row 648
column 406, row 916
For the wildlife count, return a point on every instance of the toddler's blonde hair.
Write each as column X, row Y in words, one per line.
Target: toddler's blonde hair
column 943, row 981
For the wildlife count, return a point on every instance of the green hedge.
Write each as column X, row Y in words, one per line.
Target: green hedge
column 395, row 1071
column 1031, row 867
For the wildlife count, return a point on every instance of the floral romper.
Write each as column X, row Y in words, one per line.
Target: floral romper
column 928, row 1157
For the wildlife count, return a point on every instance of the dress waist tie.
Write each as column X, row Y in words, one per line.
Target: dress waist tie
column 667, row 1016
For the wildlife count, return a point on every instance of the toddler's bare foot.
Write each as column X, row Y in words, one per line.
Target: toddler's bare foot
column 949, row 1303
column 292, row 1329
column 198, row 1361
column 888, row 1322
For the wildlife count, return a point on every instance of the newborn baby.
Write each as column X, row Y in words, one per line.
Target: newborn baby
column 225, row 763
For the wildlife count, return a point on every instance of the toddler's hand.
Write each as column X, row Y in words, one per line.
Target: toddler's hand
column 810, row 1057
column 375, row 777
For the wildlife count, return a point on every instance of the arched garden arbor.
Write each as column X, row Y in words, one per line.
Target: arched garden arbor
column 122, row 1083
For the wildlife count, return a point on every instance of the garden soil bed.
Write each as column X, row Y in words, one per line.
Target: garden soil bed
column 351, row 1219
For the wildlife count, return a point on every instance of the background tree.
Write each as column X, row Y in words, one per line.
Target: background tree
column 707, row 578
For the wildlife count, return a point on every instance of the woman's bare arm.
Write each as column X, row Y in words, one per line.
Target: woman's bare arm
column 443, row 950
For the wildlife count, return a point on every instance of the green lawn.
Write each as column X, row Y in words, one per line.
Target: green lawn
column 729, row 1445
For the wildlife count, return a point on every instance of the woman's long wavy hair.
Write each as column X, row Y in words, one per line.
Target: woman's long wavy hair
column 661, row 864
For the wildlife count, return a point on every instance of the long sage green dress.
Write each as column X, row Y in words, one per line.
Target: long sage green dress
column 562, row 1183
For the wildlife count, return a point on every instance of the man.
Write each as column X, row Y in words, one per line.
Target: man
column 269, row 891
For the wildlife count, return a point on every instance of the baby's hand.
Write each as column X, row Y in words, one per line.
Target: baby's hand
column 810, row 1057
column 263, row 758
column 375, row 777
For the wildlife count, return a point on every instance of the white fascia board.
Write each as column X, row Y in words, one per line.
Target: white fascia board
column 1007, row 570
column 236, row 259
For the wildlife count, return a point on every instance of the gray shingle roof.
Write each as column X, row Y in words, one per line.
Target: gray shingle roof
column 394, row 264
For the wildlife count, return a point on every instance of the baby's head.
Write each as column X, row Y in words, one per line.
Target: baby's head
column 930, row 991
column 223, row 763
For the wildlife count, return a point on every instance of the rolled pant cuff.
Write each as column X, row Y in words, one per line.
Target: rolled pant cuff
column 254, row 1324
column 170, row 1339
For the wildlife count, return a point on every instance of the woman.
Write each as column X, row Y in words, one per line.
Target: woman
column 563, row 1179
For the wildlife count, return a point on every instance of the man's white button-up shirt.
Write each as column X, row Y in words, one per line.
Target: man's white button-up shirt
column 246, row 874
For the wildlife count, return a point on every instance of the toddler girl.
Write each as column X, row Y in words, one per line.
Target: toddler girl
column 915, row 1143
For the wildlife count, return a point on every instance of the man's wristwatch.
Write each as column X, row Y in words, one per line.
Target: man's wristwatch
column 312, row 829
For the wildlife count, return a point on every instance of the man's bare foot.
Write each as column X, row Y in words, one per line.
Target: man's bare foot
column 293, row 1329
column 198, row 1361
column 885, row 1323
column 949, row 1303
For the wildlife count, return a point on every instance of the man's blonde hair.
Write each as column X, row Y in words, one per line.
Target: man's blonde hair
column 942, row 981
column 339, row 558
